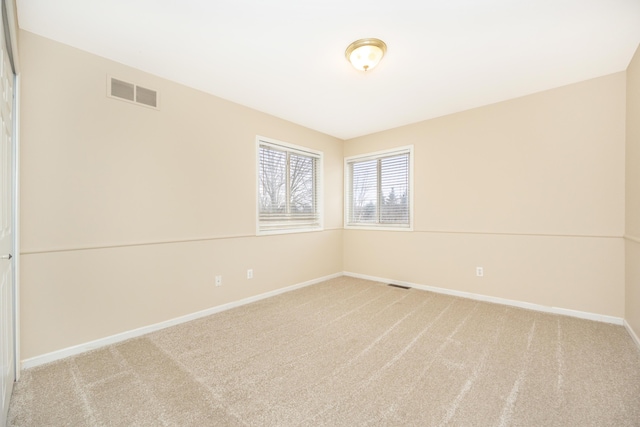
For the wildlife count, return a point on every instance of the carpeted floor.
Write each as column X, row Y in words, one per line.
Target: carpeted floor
column 348, row 352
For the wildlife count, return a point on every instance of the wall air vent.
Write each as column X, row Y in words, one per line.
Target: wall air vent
column 147, row 96
column 131, row 92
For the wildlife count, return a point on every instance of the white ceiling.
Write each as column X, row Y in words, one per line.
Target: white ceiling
column 286, row 57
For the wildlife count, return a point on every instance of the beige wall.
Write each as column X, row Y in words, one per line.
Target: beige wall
column 123, row 225
column 632, row 232
column 531, row 189
column 128, row 212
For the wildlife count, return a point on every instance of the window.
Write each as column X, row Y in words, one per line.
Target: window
column 289, row 180
column 379, row 189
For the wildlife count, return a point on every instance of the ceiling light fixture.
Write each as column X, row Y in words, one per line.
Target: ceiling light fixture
column 364, row 54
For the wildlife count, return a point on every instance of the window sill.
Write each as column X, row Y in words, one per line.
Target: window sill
column 379, row 227
column 288, row 231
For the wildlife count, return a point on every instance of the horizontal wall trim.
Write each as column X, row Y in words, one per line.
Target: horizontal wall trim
column 495, row 233
column 244, row 236
column 153, row 243
column 496, row 300
column 113, row 339
column 632, row 238
column 634, row 337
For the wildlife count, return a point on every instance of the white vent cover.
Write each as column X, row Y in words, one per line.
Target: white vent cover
column 132, row 93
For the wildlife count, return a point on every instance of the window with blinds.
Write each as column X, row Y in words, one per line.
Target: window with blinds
column 379, row 189
column 288, row 188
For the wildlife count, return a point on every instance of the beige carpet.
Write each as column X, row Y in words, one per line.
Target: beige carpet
column 348, row 352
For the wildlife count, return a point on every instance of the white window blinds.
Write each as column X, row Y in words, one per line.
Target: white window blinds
column 288, row 188
column 378, row 190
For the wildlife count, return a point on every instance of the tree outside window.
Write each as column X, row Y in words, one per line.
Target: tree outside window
column 379, row 188
column 287, row 188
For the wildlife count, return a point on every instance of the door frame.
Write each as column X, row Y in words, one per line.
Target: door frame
column 12, row 40
column 16, row 227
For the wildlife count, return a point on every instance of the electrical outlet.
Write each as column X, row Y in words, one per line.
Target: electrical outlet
column 250, row 273
column 479, row 271
column 218, row 280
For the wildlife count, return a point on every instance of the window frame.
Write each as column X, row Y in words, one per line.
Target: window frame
column 318, row 180
column 408, row 149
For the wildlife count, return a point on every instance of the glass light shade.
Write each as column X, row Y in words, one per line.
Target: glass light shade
column 365, row 54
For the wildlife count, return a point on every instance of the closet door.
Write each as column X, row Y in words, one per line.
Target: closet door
column 7, row 319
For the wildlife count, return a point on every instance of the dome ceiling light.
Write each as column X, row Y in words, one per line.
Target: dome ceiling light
column 365, row 54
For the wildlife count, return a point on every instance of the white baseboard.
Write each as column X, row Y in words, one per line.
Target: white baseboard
column 496, row 300
column 634, row 337
column 82, row 348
